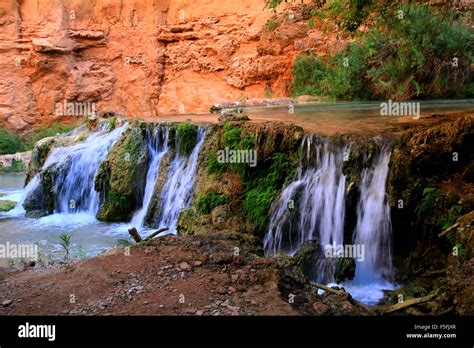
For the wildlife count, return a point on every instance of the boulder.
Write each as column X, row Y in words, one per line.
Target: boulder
column 345, row 269
column 307, row 257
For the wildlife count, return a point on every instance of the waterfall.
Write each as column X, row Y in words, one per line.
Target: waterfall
column 176, row 194
column 374, row 228
column 157, row 141
column 74, row 184
column 320, row 208
column 313, row 207
column 73, row 170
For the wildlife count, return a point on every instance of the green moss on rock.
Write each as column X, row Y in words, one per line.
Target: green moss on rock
column 6, row 205
column 121, row 176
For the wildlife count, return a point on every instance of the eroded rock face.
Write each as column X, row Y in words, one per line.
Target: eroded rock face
column 141, row 58
column 433, row 158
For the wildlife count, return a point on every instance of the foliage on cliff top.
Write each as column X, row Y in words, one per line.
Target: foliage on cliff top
column 410, row 51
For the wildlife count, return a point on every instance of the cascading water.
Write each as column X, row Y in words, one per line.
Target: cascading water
column 177, row 191
column 374, row 232
column 319, row 190
column 75, row 168
column 74, row 184
column 313, row 207
column 158, row 146
column 374, row 228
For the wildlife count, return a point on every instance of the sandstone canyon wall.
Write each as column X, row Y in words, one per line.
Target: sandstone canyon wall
column 141, row 57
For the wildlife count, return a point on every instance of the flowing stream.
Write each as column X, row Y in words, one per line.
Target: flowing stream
column 313, row 206
column 77, row 203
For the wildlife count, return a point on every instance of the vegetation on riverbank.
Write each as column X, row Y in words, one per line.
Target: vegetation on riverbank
column 396, row 52
column 11, row 143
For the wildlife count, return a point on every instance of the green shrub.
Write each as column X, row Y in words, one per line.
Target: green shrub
column 347, row 15
column 16, row 167
column 206, row 202
column 51, row 131
column 431, row 201
column 213, row 165
column 65, row 243
column 233, row 137
column 308, row 72
column 271, row 25
column 10, row 143
column 273, row 4
column 187, row 135
column 112, row 124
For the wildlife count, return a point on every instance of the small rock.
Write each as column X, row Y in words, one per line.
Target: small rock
column 320, row 308
column 190, row 310
column 184, row 266
column 232, row 290
column 6, row 303
column 221, row 291
column 197, row 263
column 222, row 258
column 199, row 313
column 238, row 260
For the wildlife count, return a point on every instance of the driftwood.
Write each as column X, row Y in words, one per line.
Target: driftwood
column 449, row 229
column 343, row 293
column 154, row 234
column 408, row 303
column 136, row 236
column 327, row 288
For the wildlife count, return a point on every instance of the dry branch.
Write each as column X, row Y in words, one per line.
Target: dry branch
column 408, row 303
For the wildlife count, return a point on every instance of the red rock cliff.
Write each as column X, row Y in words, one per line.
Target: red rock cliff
column 141, row 57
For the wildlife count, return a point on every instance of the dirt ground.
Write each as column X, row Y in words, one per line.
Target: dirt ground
column 166, row 276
